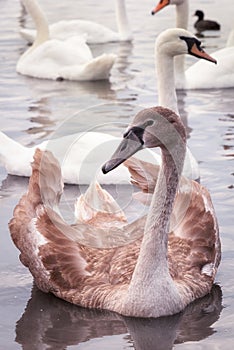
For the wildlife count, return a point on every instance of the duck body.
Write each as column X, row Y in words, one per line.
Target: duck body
column 70, row 59
column 144, row 277
column 205, row 24
column 94, row 33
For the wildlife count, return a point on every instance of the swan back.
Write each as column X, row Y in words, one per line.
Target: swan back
column 144, row 277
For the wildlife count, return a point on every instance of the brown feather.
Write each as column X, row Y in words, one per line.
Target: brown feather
column 90, row 277
column 192, row 220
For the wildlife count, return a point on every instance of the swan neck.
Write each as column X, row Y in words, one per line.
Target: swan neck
column 166, row 81
column 164, row 195
column 154, row 244
column 182, row 14
column 179, row 66
column 230, row 40
column 151, row 282
column 122, row 20
column 40, row 21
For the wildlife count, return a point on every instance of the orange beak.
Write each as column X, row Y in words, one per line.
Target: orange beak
column 160, row 6
column 201, row 54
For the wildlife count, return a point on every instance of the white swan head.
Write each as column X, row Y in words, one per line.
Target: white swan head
column 152, row 127
column 164, row 3
column 178, row 41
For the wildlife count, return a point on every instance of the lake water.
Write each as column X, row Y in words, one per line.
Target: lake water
column 31, row 110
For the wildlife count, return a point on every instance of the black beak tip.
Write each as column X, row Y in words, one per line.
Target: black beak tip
column 152, row 13
column 104, row 170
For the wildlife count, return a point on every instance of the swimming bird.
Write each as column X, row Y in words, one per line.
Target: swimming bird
column 70, row 59
column 154, row 274
column 201, row 75
column 95, row 33
column 204, row 24
column 80, row 155
column 74, row 149
column 169, row 44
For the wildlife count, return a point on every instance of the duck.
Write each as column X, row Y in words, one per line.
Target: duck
column 95, row 33
column 201, row 75
column 54, row 59
column 153, row 273
column 204, row 24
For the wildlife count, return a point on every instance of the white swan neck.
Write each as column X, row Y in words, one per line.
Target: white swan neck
column 166, row 81
column 39, row 20
column 179, row 67
column 122, row 20
column 182, row 14
column 230, row 40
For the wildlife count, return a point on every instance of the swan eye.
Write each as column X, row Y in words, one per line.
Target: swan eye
column 149, row 122
column 135, row 131
column 191, row 42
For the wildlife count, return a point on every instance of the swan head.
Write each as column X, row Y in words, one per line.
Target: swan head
column 151, row 127
column 178, row 41
column 164, row 3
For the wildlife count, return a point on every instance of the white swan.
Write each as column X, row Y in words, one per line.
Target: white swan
column 202, row 75
column 70, row 59
column 80, row 156
column 74, row 146
column 95, row 33
column 155, row 275
column 230, row 40
column 167, row 47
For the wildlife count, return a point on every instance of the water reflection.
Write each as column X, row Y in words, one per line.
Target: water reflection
column 22, row 15
column 181, row 100
column 75, row 96
column 228, row 137
column 52, row 322
column 13, row 186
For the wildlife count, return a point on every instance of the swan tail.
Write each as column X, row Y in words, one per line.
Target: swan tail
column 99, row 68
column 28, row 34
column 96, row 205
column 143, row 174
column 15, row 157
column 45, row 184
column 33, row 226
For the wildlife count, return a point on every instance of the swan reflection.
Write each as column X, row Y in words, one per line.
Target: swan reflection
column 51, row 322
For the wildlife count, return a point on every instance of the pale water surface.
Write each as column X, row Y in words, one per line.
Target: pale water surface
column 31, row 110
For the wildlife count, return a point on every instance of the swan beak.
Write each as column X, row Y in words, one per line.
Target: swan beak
column 130, row 144
column 160, row 6
column 198, row 52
